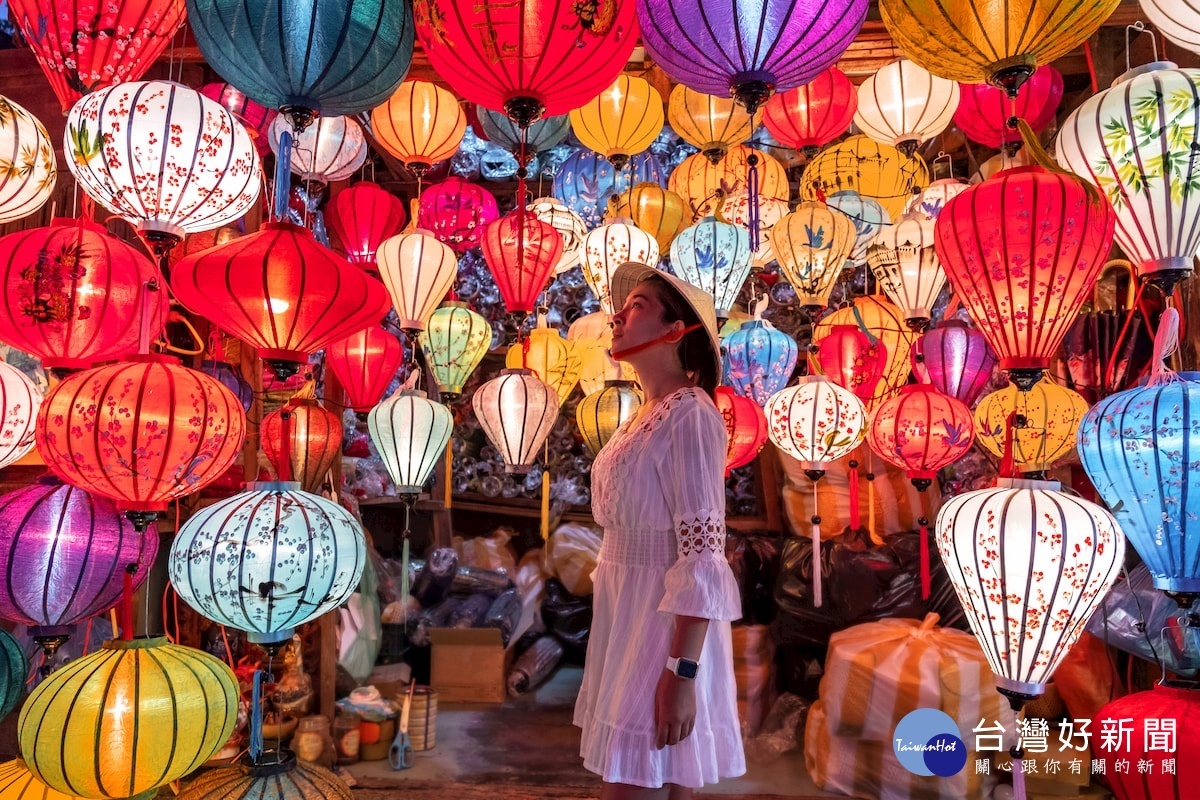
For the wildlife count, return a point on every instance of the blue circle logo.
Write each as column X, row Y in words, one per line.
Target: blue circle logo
column 927, row 742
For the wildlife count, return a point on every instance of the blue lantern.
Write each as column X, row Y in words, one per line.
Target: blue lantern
column 759, row 359
column 868, row 216
column 12, row 672
column 715, row 256
column 586, row 180
column 547, row 132
column 332, row 59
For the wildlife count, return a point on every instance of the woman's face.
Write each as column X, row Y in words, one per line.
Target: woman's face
column 640, row 320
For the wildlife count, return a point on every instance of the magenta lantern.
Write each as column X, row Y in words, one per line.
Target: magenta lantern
column 983, row 110
column 455, row 212
column 955, row 359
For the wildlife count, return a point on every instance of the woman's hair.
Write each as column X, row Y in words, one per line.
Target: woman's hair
column 695, row 348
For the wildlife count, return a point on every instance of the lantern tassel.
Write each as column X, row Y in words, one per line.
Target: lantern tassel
column 285, row 446
column 1038, row 155
column 1166, row 342
column 405, row 559
column 1018, row 773
column 752, row 221
column 127, row 602
column 545, row 504
column 446, row 501
column 256, row 716
column 924, row 523
column 855, row 518
column 871, row 499
column 283, row 169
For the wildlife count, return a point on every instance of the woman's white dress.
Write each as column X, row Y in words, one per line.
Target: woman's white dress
column 658, row 490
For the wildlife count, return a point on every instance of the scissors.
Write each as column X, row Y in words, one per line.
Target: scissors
column 400, row 755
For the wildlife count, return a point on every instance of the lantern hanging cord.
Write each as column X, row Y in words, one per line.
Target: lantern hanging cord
column 1039, row 156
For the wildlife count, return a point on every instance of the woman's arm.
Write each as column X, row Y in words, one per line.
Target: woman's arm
column 675, row 697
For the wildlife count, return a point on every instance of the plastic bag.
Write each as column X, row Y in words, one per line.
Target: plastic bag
column 436, row 617
column 361, row 631
column 571, row 557
column 1141, row 620
column 470, row 611
column 434, row 576
column 781, row 731
column 493, row 552
column 534, row 665
column 477, row 580
column 569, row 618
column 754, row 558
column 531, row 586
column 504, row 613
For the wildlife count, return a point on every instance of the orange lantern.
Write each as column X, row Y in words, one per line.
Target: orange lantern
column 881, row 319
column 302, row 439
column 420, row 124
column 711, row 123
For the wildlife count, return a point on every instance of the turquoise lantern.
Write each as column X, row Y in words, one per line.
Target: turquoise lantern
column 1141, row 448
column 498, row 129
column 12, row 672
column 758, row 358
column 586, row 180
column 715, row 256
column 868, row 216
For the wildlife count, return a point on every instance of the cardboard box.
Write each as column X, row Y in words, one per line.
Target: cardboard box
column 469, row 665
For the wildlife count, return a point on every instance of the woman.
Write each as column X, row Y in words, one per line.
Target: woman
column 658, row 702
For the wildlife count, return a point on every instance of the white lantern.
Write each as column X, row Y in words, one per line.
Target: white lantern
column 770, row 211
column 330, row 149
column 418, row 271
column 816, row 421
column 162, row 156
column 812, row 244
column 868, row 216
column 516, row 410
column 28, row 168
column 608, row 247
column 904, row 262
column 715, row 256
column 1136, row 142
column 1178, row 20
column 410, row 431
column 1030, row 564
column 19, row 404
column 933, row 198
column 903, row 104
column 268, row 559
column 570, row 227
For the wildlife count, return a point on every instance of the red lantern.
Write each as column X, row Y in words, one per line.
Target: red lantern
column 74, row 295
column 852, row 359
column 455, row 211
column 811, row 116
column 302, row 439
column 983, row 110
column 85, row 46
column 746, row 424
column 521, row 252
column 361, row 217
column 1163, row 725
column 527, row 57
column 280, row 291
column 1022, row 251
column 365, row 363
column 955, row 358
column 143, row 432
column 256, row 119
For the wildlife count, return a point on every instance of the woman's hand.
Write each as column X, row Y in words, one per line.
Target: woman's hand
column 674, row 709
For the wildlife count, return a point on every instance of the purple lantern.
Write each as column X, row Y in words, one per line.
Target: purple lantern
column 455, row 212
column 64, row 555
column 956, row 359
column 747, row 49
column 231, row 376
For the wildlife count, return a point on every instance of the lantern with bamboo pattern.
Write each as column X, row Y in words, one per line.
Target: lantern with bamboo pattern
column 28, row 168
column 608, row 247
column 812, row 244
column 521, row 251
column 712, row 124
column 547, row 132
column 132, row 716
column 410, row 431
column 902, row 104
column 516, row 410
column 600, row 413
column 551, row 357
column 420, row 124
column 361, row 217
column 984, row 111
column 19, row 404
column 759, row 359
column 586, row 181
column 868, row 217
column 714, row 255
column 955, row 359
column 364, row 364
column 851, row 358
column 657, row 211
column 330, row 149
column 623, row 119
column 702, row 183
column 878, row 317
column 873, row 169
column 569, row 225
column 456, row 212
column 906, row 265
column 419, row 272
column 1043, row 421
column 745, row 425
column 454, row 342
column 811, row 116
column 302, row 439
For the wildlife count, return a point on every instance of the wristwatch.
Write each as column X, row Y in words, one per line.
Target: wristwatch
column 683, row 667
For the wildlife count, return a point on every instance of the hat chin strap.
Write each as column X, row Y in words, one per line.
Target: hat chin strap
column 669, row 338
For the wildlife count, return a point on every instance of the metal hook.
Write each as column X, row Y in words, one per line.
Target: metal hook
column 1139, row 27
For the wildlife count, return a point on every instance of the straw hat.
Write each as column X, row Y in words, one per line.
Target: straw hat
column 631, row 273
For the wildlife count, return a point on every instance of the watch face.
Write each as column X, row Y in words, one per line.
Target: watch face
column 686, row 669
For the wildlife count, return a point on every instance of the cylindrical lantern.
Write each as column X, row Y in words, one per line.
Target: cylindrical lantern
column 984, row 111
column 516, row 410
column 852, row 359
column 361, row 216
column 544, row 134
column 759, row 360
column 698, row 179
column 28, row 181
column 143, row 432
column 868, row 217
column 1153, row 728
column 274, row 774
column 905, row 263
column 553, row 358
column 162, row 156
column 73, row 295
column 608, row 247
column 418, row 272
column 330, row 149
column 1029, row 563
column 457, row 212
column 13, row 670
column 585, row 181
column 920, row 431
column 569, row 225
column 420, row 124
column 657, row 211
column 521, row 251
column 902, row 104
column 1043, row 428
column 811, row 245
column 1022, row 250
column 365, row 363
column 873, row 169
column 745, row 424
column 410, row 431
column 811, row 116
column 129, row 717
column 19, row 404
column 256, row 117
column 454, row 342
column 267, row 560
column 711, row 123
column 882, row 320
column 307, row 435
column 955, row 359
column 600, row 413
column 622, row 120
column 715, row 256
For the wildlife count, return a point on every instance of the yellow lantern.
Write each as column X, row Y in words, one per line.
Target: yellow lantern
column 713, row 124
column 454, row 341
column 621, row 121
column 904, row 104
column 592, row 336
column 658, row 211
column 18, row 783
column 599, row 414
column 873, row 169
column 420, row 124
column 551, row 357
column 418, row 272
column 608, row 247
column 881, row 319
column 275, row 774
column 812, row 244
column 701, row 183
column 981, row 41
column 129, row 717
column 1047, row 417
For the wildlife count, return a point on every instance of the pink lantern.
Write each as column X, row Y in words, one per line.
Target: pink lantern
column 983, row 110
column 456, row 211
column 256, row 118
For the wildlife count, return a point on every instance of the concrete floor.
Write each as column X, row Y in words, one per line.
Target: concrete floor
column 531, row 740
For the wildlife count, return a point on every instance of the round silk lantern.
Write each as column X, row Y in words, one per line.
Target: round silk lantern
column 83, row 47
column 600, row 413
column 712, row 124
column 267, row 560
column 1163, row 725
column 812, row 244
column 280, row 291
column 881, row 319
column 955, row 359
column 302, row 439
column 547, row 132
column 766, row 215
column 27, row 158
column 66, row 553
column 592, row 337
column 231, row 378
column 929, row 202
column 521, row 251
column 143, row 432
column 364, row 364
column 569, row 226
column 361, row 217
column 331, row 149
column 984, row 111
column 202, row 175
column 273, row 774
column 759, row 359
column 1112, row 138
column 19, row 404
column 851, row 358
column 550, row 356
column 516, row 410
column 1022, row 251
column 608, row 247
column 585, row 181
column 529, row 57
column 12, row 678
column 622, row 120
column 1044, row 420
column 456, row 212
column 715, row 256
column 1030, row 564
column 419, row 272
column 726, row 48
column 454, row 342
column 905, row 263
column 1178, row 21
column 902, row 104
column 703, row 183
column 811, row 116
column 873, row 169
column 920, row 431
column 745, row 424
column 127, row 718
column 410, row 431
column 657, row 211
column 254, row 116
column 420, row 124
column 868, row 217
column 335, row 59
column 18, row 783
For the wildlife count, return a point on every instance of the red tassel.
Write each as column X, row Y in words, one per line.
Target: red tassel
column 924, row 523
column 127, row 603
column 285, row 446
column 855, row 521
column 1008, row 466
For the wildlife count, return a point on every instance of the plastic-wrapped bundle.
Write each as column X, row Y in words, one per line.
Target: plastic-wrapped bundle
column 569, row 618
column 476, row 580
column 504, row 613
column 470, row 611
column 433, row 581
column 534, row 665
column 437, row 616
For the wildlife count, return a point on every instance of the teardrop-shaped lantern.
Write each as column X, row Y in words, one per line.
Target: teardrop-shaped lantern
column 920, row 431
column 715, row 256
column 745, row 424
column 516, row 410
column 521, row 251
column 302, row 439
column 711, row 123
column 569, row 225
column 1030, row 564
column 365, row 363
column 869, row 219
column 956, row 359
column 903, row 104
column 410, row 431
column 658, row 211
column 812, row 244
column 1044, row 421
column 550, row 356
column 544, row 134
column 881, row 319
column 905, row 263
column 697, row 179
column 267, row 560
column 759, row 360
column 19, row 404
column 811, row 116
column 330, row 149
column 454, row 342
column 420, row 124
column 456, row 212
column 600, row 413
column 852, row 359
column 419, row 272
column 361, row 217
column 608, row 247
column 1022, row 250
column 623, row 119
column 929, row 202
column 984, row 111
column 816, row 421
column 585, row 181
column 32, row 170
column 873, row 169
